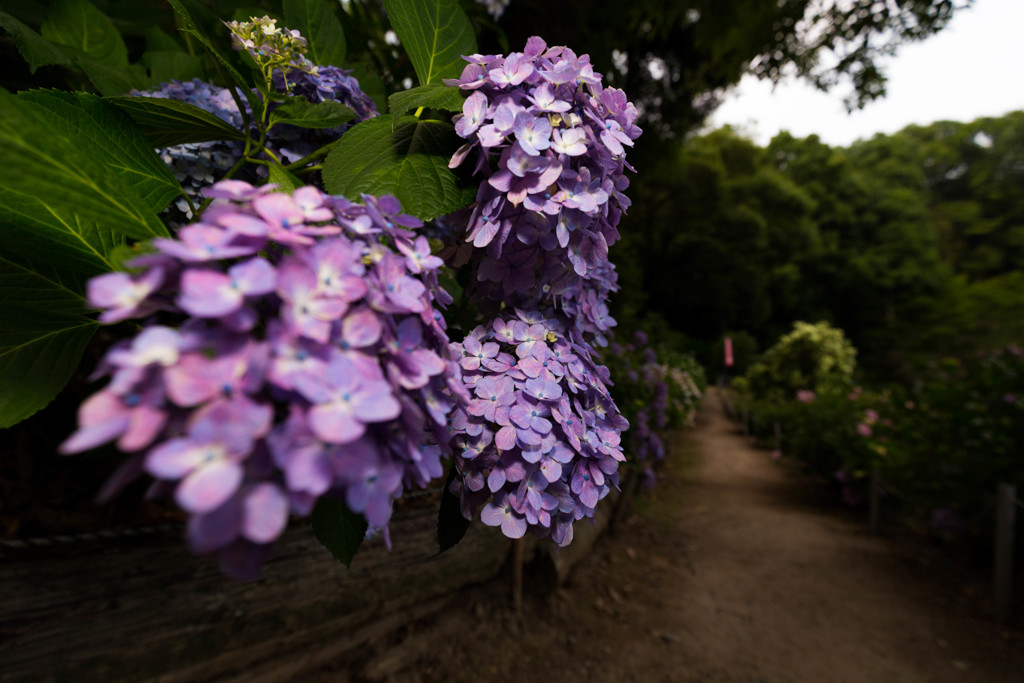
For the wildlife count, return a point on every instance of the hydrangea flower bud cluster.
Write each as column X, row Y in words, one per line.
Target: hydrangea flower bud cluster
column 199, row 165
column 539, row 439
column 550, row 142
column 291, row 348
column 271, row 47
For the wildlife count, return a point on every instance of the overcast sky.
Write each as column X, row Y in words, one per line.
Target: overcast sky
column 972, row 68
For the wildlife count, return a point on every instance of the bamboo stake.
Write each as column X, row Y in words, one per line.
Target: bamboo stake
column 1006, row 513
column 517, row 574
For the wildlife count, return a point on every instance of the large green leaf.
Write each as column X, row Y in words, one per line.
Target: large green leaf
column 41, row 286
column 43, row 334
column 339, row 529
column 158, row 40
column 74, row 247
column 451, row 525
column 36, row 50
column 110, row 79
column 39, row 157
column 433, row 96
column 410, row 162
column 166, row 65
column 170, row 122
column 192, row 29
column 283, row 178
column 78, row 24
column 298, row 111
column 435, row 33
column 107, row 133
column 319, row 25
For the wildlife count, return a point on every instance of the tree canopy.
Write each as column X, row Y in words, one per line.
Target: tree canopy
column 677, row 57
column 909, row 242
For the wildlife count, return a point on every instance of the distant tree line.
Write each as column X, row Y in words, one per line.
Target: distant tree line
column 912, row 243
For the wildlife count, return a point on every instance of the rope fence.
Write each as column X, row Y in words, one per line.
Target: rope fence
column 134, row 533
column 57, row 542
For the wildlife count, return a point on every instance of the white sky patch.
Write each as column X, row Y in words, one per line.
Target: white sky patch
column 657, row 68
column 620, row 60
column 973, row 68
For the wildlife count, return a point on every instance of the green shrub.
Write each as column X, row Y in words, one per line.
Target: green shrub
column 815, row 357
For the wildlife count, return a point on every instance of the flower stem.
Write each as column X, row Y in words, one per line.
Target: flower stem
column 323, row 151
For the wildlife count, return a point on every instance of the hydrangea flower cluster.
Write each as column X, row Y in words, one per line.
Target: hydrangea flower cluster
column 291, row 348
column 550, row 142
column 539, row 441
column 327, row 83
column 199, row 165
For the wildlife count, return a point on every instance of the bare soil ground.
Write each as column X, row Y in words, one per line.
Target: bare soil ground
column 731, row 569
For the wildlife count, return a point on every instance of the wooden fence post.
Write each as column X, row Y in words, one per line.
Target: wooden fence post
column 1006, row 514
column 874, row 501
column 624, row 503
column 517, row 574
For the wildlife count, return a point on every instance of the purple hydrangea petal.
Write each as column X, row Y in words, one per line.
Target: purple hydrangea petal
column 209, row 486
column 335, row 424
column 266, row 513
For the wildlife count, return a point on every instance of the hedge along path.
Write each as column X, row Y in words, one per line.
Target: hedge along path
column 733, row 570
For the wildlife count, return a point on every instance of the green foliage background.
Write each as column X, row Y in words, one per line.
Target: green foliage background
column 910, row 243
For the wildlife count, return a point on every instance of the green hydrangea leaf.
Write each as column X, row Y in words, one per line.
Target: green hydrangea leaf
column 319, row 25
column 75, row 247
column 36, row 50
column 298, row 111
column 167, row 122
column 111, row 79
column 192, row 29
column 42, row 158
column 108, row 134
column 43, row 334
column 435, row 33
column 339, row 529
column 167, row 65
column 410, row 162
column 284, row 179
column 80, row 25
column 158, row 40
column 432, row 96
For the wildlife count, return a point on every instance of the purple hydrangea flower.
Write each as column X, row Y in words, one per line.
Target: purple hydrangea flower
column 262, row 382
column 552, row 457
column 548, row 138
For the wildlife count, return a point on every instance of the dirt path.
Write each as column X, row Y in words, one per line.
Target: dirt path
column 728, row 572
